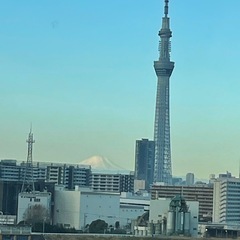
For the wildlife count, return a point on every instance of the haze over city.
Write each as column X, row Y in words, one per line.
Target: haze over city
column 82, row 73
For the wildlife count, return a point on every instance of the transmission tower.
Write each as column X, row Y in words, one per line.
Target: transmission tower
column 28, row 183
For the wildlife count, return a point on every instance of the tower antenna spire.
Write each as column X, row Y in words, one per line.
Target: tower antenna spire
column 166, row 8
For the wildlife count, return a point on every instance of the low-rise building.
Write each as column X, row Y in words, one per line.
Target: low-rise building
column 78, row 208
column 27, row 201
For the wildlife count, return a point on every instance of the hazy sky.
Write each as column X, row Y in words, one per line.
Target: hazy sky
column 82, row 72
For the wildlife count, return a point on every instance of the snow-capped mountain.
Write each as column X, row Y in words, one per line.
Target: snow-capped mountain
column 99, row 162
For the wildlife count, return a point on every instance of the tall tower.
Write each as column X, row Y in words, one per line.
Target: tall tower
column 28, row 182
column 163, row 68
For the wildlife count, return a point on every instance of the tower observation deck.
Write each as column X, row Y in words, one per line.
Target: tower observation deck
column 163, row 68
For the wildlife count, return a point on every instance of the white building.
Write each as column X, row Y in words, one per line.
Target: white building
column 158, row 209
column 111, row 180
column 226, row 200
column 68, row 175
column 27, row 200
column 79, row 207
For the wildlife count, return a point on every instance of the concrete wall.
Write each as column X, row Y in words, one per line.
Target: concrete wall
column 96, row 205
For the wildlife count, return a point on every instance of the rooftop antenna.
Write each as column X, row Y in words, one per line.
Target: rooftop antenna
column 28, row 182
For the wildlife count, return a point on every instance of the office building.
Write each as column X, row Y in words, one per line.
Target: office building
column 226, row 200
column 144, row 161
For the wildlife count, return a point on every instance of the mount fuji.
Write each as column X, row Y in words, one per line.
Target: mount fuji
column 99, row 162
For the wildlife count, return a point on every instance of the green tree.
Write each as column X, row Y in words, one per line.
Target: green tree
column 98, row 226
column 36, row 214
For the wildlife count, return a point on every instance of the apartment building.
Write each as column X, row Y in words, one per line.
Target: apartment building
column 70, row 175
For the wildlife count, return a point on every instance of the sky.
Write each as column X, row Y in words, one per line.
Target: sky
column 81, row 72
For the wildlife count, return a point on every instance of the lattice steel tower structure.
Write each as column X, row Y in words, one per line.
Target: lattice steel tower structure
column 28, row 182
column 163, row 68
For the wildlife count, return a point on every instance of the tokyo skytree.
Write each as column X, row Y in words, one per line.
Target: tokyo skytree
column 163, row 68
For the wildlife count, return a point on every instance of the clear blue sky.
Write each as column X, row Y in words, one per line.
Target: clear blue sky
column 82, row 72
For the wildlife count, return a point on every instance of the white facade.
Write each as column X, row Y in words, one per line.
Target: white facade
column 82, row 206
column 66, row 208
column 111, row 180
column 105, row 182
column 158, row 209
column 99, row 205
column 27, row 200
column 226, row 200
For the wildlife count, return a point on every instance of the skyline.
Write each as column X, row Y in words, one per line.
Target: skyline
column 82, row 73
